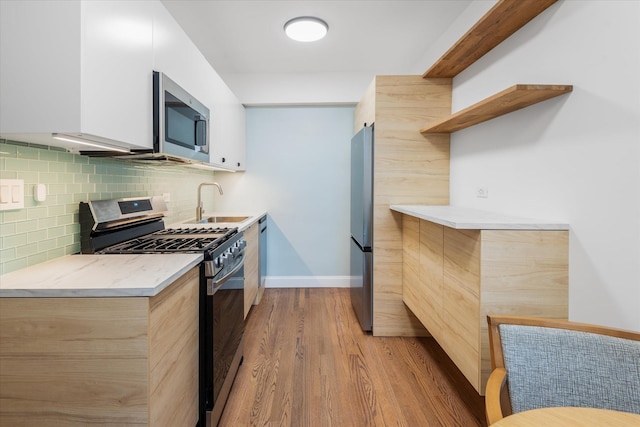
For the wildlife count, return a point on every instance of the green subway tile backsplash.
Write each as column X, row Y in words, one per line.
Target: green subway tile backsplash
column 46, row 230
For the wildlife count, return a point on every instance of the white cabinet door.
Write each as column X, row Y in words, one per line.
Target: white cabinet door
column 39, row 66
column 117, row 57
column 78, row 68
column 176, row 56
column 84, row 68
column 238, row 135
column 229, row 125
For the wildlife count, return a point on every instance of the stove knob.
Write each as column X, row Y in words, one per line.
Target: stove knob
column 219, row 261
column 235, row 251
column 241, row 243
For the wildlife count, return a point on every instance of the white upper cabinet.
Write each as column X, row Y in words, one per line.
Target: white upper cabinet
column 84, row 69
column 228, row 132
column 177, row 57
column 80, row 68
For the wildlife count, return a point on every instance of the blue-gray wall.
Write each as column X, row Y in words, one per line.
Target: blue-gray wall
column 298, row 170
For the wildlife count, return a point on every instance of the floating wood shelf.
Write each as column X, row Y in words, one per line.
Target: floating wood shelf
column 504, row 19
column 511, row 99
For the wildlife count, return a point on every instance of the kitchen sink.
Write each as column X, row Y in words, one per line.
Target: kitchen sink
column 223, row 219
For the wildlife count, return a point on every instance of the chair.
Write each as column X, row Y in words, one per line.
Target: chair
column 539, row 363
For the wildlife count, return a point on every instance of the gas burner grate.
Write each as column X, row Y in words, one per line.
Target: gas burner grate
column 197, row 231
column 156, row 245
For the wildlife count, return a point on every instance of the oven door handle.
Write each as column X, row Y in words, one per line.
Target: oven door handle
column 214, row 285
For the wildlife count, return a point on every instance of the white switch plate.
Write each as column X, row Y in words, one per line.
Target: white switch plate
column 11, row 194
column 166, row 197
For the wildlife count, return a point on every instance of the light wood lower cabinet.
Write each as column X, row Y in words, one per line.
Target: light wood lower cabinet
column 251, row 267
column 453, row 278
column 101, row 361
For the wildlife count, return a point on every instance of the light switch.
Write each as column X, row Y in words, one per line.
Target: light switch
column 16, row 193
column 5, row 194
column 11, row 194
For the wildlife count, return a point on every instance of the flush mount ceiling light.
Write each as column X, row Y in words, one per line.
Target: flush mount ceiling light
column 306, row 28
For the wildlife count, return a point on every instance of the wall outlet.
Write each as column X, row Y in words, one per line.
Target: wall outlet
column 482, row 192
column 166, row 197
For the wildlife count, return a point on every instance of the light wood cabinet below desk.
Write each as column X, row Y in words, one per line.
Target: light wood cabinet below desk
column 453, row 278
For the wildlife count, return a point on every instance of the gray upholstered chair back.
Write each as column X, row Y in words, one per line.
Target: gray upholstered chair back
column 557, row 367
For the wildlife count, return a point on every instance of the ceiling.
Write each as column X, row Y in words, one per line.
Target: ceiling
column 370, row 37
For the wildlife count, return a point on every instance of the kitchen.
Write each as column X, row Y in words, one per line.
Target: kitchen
column 528, row 177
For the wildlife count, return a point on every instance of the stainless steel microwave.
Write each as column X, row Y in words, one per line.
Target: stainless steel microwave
column 180, row 121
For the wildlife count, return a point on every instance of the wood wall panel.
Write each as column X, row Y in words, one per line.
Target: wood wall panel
column 524, row 273
column 393, row 316
column 365, row 111
column 409, row 168
column 461, row 299
column 411, row 262
column 251, row 267
column 173, row 353
column 431, row 275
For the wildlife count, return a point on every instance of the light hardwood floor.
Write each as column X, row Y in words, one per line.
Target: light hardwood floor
column 308, row 363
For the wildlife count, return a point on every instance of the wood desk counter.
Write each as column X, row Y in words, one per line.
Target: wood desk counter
column 569, row 417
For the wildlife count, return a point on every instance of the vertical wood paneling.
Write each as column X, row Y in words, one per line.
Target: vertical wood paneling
column 461, row 300
column 431, row 275
column 173, row 353
column 466, row 274
column 409, row 168
column 365, row 110
column 524, row 273
column 251, row 267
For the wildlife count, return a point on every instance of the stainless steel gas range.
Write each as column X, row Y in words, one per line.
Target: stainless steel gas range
column 136, row 226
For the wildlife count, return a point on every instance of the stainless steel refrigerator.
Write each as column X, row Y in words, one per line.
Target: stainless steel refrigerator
column 362, row 226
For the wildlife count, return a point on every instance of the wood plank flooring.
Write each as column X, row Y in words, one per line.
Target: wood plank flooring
column 307, row 363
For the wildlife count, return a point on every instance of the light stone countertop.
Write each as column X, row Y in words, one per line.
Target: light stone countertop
column 111, row 275
column 98, row 276
column 473, row 219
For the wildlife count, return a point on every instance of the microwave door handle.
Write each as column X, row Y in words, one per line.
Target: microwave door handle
column 200, row 130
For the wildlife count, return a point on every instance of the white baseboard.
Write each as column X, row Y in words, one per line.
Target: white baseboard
column 307, row 281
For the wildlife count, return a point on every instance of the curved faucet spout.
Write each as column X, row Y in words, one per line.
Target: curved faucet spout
column 200, row 209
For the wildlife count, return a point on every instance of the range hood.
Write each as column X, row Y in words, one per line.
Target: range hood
column 149, row 158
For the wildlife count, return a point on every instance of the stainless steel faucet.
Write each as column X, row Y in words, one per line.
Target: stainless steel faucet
column 200, row 209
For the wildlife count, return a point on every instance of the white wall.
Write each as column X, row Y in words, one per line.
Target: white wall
column 298, row 171
column 575, row 158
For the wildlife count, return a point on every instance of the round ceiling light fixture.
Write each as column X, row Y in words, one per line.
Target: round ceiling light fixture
column 306, row 29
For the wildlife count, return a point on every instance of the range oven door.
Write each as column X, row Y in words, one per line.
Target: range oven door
column 222, row 321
